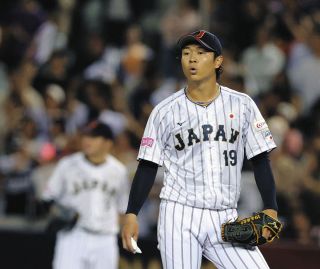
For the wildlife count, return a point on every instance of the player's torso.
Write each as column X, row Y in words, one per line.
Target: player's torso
column 92, row 190
column 204, row 152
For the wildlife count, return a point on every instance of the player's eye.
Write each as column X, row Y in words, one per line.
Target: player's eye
column 185, row 53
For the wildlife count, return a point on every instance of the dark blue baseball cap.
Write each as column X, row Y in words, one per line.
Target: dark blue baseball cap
column 98, row 129
column 204, row 38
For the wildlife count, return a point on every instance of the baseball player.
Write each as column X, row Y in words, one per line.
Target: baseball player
column 200, row 134
column 94, row 184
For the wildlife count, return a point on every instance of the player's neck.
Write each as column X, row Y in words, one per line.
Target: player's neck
column 96, row 159
column 204, row 91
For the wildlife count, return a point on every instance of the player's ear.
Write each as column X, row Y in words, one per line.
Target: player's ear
column 218, row 61
column 109, row 143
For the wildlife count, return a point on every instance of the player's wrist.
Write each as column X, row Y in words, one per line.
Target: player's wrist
column 131, row 216
column 271, row 212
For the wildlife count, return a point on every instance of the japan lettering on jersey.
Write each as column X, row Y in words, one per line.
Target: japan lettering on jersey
column 97, row 193
column 202, row 148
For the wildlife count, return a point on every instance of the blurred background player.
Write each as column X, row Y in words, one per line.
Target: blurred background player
column 94, row 184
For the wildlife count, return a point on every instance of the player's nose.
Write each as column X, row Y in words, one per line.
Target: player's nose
column 193, row 58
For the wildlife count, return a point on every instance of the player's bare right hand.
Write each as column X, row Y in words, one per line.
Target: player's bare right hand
column 130, row 229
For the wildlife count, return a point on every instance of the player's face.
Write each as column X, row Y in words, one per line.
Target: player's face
column 95, row 146
column 198, row 64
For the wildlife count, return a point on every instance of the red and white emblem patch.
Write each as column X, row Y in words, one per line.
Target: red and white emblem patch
column 260, row 125
column 147, row 142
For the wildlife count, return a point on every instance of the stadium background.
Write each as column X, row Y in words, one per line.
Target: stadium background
column 65, row 62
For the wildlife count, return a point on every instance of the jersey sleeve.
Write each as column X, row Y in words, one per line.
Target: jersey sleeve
column 152, row 144
column 257, row 136
column 55, row 185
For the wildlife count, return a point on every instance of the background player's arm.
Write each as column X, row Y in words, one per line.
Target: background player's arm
column 60, row 216
column 141, row 186
column 54, row 189
column 55, row 186
column 122, row 197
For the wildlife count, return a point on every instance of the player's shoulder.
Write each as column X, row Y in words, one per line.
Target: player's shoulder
column 236, row 94
column 243, row 98
column 168, row 102
column 70, row 158
column 116, row 163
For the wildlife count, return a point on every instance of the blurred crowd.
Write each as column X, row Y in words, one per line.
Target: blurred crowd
column 64, row 63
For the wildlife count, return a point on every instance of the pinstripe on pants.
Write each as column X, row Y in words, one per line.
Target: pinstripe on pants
column 185, row 234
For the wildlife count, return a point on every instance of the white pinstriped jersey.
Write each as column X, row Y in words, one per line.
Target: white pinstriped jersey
column 97, row 192
column 202, row 148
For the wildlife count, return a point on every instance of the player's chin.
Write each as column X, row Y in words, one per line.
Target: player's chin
column 197, row 77
column 88, row 152
column 194, row 78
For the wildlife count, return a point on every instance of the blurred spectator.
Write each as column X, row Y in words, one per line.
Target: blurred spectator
column 22, row 154
column 77, row 112
column 125, row 150
column 251, row 15
column 41, row 173
column 297, row 189
column 58, row 135
column 305, row 65
column 4, row 83
column 21, row 22
column 232, row 72
column 279, row 127
column 302, row 228
column 135, row 55
column 288, row 111
column 261, row 62
column 99, row 97
column 54, row 98
column 139, row 99
column 23, row 99
column 290, row 168
column 93, row 14
column 181, row 18
column 21, row 81
column 167, row 87
column 250, row 198
column 64, row 114
column 65, row 10
column 55, row 71
column 90, row 50
column 47, row 39
column 107, row 67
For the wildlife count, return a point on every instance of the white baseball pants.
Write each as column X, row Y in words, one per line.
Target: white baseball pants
column 185, row 234
column 80, row 249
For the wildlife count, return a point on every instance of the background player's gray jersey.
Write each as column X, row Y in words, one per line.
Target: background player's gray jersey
column 202, row 148
column 97, row 192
